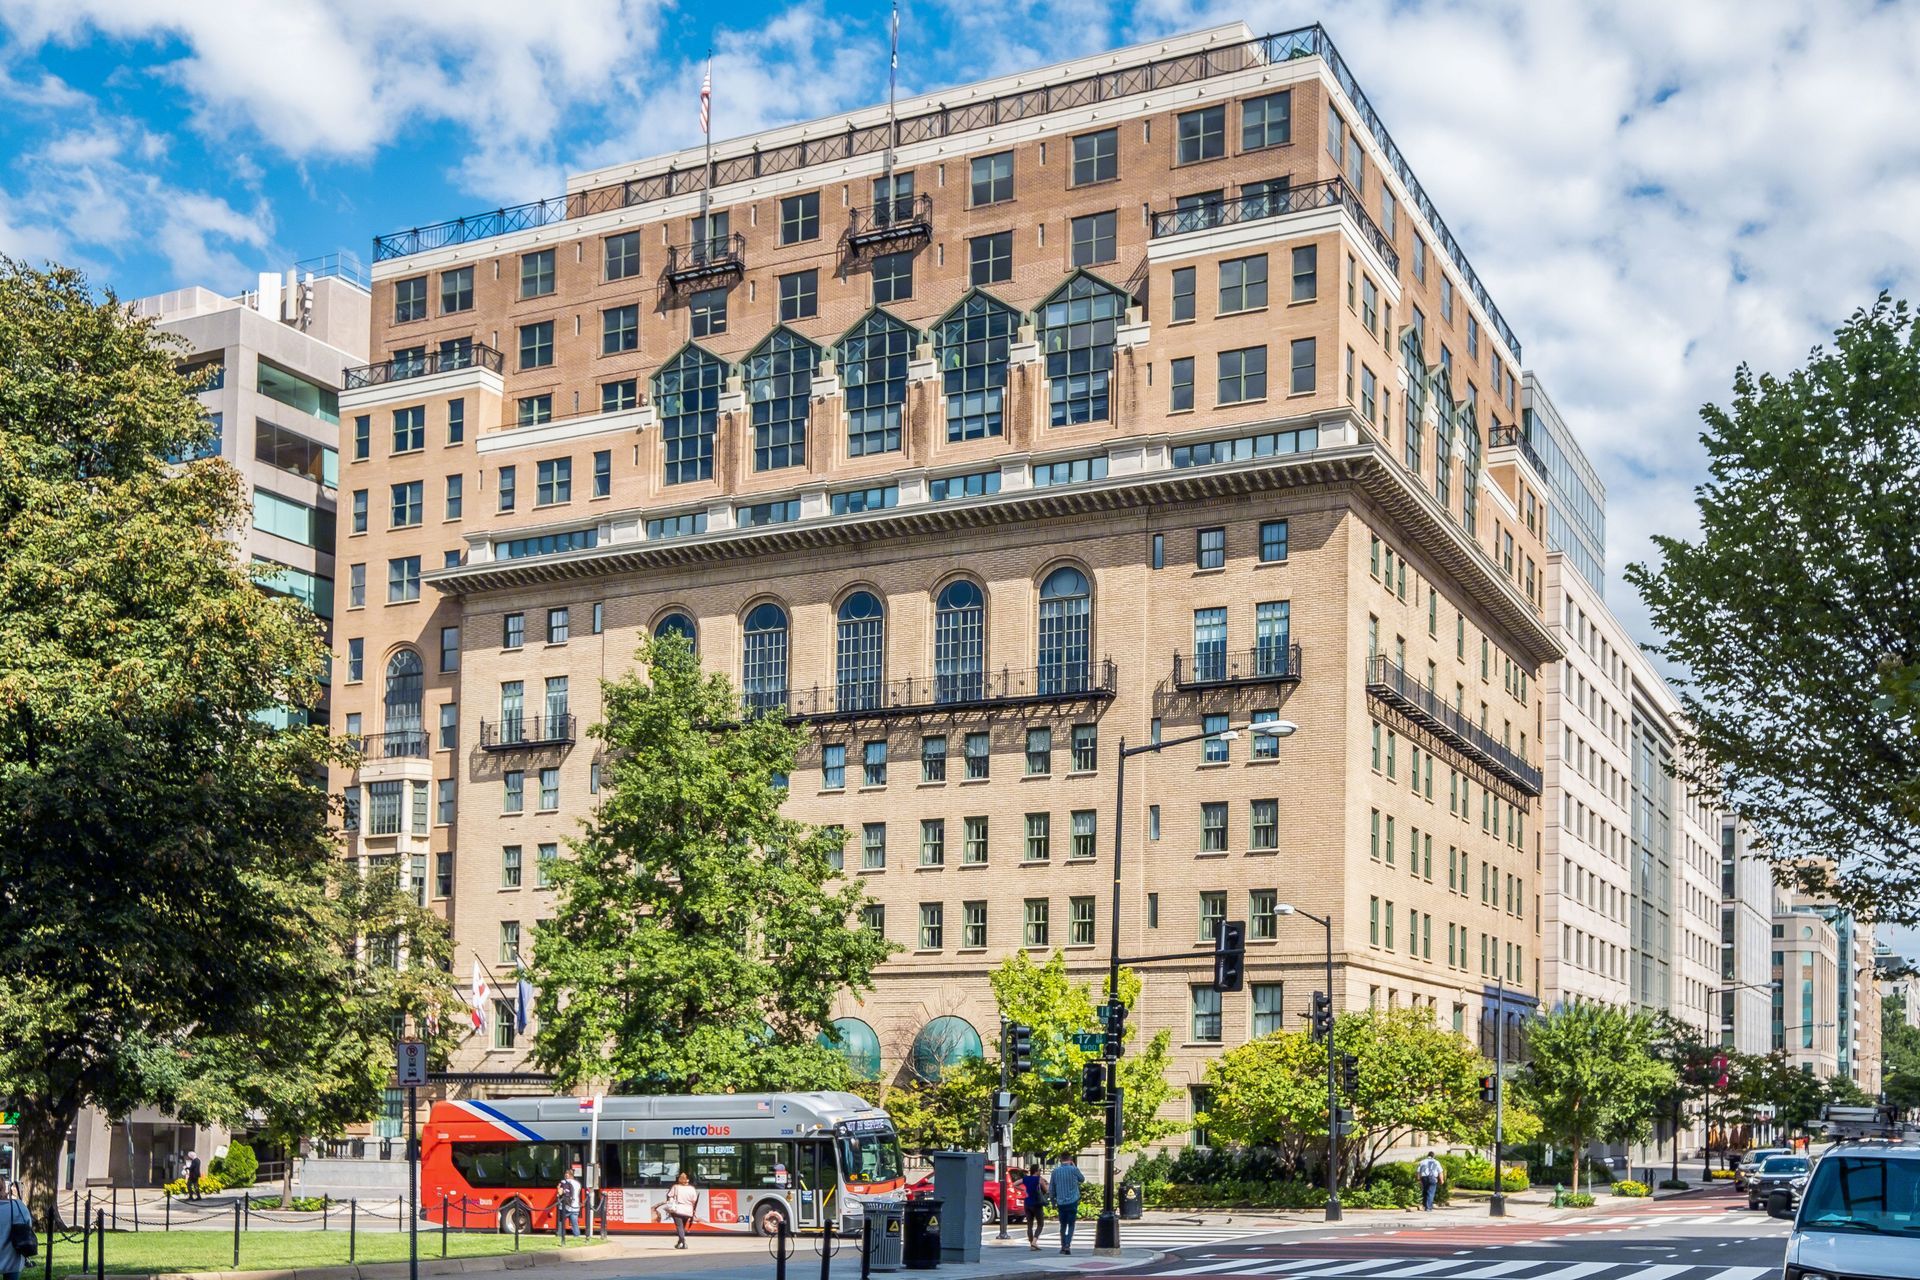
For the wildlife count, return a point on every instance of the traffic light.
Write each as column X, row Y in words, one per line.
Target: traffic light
column 1322, row 1015
column 1350, row 1073
column 1488, row 1088
column 1343, row 1122
column 1020, row 1040
column 1229, row 955
column 1116, row 1028
column 1093, row 1082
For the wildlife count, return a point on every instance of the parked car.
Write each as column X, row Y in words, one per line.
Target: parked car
column 1859, row 1214
column 1750, row 1164
column 1786, row 1174
column 990, row 1204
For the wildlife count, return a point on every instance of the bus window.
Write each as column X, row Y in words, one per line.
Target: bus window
column 714, row 1164
column 649, row 1164
column 611, row 1173
column 769, row 1164
column 512, row 1164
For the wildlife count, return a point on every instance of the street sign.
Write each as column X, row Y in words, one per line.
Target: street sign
column 411, row 1059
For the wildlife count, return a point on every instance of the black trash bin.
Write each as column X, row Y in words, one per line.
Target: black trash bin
column 920, row 1250
column 1131, row 1206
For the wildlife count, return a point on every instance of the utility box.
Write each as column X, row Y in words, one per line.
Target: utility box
column 959, row 1183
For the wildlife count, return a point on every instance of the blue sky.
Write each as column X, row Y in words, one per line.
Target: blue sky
column 1652, row 191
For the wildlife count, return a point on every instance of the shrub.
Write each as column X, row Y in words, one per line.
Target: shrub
column 1406, row 1176
column 1628, row 1187
column 1723, row 1175
column 301, row 1204
column 240, row 1166
column 1673, row 1184
column 1473, row 1172
column 1578, row 1200
column 209, row 1183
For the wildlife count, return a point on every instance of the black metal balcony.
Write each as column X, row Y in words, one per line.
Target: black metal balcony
column 1216, row 668
column 477, row 355
column 1328, row 193
column 711, row 262
column 891, row 225
column 526, row 733
column 1390, row 683
column 401, row 744
column 942, row 694
column 1500, row 437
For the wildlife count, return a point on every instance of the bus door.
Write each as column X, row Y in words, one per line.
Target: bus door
column 816, row 1184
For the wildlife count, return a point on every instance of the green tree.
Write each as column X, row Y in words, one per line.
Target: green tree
column 699, row 938
column 165, row 844
column 1796, row 613
column 1593, row 1077
column 1899, row 1053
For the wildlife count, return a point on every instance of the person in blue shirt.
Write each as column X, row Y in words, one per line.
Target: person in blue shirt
column 1067, row 1181
column 1033, row 1192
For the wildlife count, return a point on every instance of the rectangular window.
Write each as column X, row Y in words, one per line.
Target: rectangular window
column 1243, row 375
column 1215, row 749
column 1039, row 846
column 892, row 278
column 621, row 395
column 1037, row 912
column 1159, row 550
column 550, row 788
column 1303, row 375
column 1180, row 392
column 1093, row 239
column 1273, row 541
column 513, row 791
column 873, row 846
column 509, row 954
column 1268, row 1003
column 620, row 329
column 410, row 299
column 356, row 586
column 536, row 273
column 1266, row 121
column 1243, row 283
column 1263, row 921
column 1039, row 752
column 990, row 258
column 873, row 918
column 510, row 867
column 1080, row 922
column 1213, row 828
column 800, row 217
column 707, row 312
column 408, row 506
column 531, row 411
column 973, row 841
column 979, row 747
column 623, row 255
column 602, row 473
column 559, row 625
column 833, row 766
column 449, row 648
column 933, row 842
column 1085, row 834
column 1183, row 290
column 973, row 924
column 933, row 758
column 1210, row 549
column 873, row 764
column 536, row 345
column 513, row 630
column 403, row 579
column 1086, row 748
column 1200, row 135
column 1306, row 260
column 1206, row 1014
column 362, row 437
column 1096, row 157
column 506, row 487
column 410, row 428
column 1266, row 746
column 276, row 504
column 456, row 290
column 992, row 178
column 543, row 867
column 443, row 875
column 1263, row 825
column 800, row 295
column 553, row 482
column 932, row 926
column 449, row 726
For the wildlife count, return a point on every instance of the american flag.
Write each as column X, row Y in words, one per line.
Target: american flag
column 893, row 62
column 706, row 99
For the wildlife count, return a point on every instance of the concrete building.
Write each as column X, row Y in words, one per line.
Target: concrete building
column 279, row 351
column 1746, row 941
column 1828, row 1016
column 1136, row 396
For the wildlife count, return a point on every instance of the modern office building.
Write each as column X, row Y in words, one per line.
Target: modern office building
column 1138, row 396
column 1747, row 896
column 1577, row 514
column 1827, row 1015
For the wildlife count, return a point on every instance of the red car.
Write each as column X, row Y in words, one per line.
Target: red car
column 990, row 1205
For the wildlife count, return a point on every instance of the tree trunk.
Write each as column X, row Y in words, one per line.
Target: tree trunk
column 43, row 1127
column 1579, row 1155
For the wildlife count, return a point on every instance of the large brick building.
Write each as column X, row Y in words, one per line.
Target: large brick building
column 1138, row 395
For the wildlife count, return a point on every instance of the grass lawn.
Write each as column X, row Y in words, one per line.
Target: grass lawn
column 147, row 1252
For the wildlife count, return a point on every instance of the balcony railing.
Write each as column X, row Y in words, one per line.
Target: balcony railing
column 1206, row 668
column 707, row 262
column 941, row 694
column 402, row 744
column 891, row 223
column 1328, row 193
column 1391, row 683
column 525, row 733
column 477, row 356
column 1502, row 436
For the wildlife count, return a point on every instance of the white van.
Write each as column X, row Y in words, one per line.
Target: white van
column 1859, row 1215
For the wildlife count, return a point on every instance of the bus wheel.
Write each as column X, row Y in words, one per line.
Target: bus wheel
column 766, row 1219
column 516, row 1217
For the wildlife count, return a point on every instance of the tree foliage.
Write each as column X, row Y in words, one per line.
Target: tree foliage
column 1899, row 1053
column 1796, row 613
column 1593, row 1077
column 699, row 938
column 165, row 845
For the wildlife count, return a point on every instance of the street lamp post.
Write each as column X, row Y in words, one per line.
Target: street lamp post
column 1106, row 1231
column 1333, row 1091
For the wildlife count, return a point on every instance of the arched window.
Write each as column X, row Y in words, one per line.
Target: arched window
column 678, row 624
column 873, row 369
column 972, row 348
column 1077, row 326
column 763, row 659
column 959, row 643
column 687, row 393
column 858, row 647
column 780, row 390
column 405, row 734
column 1066, row 609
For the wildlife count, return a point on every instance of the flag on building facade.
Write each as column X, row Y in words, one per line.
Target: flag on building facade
column 706, row 99
column 478, row 997
column 522, row 1003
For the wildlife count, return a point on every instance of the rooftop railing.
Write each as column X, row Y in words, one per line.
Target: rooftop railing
column 941, row 694
column 1501, row 436
column 1387, row 680
column 1328, row 193
column 400, row 368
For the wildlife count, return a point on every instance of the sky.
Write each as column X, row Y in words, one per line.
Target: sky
column 1653, row 191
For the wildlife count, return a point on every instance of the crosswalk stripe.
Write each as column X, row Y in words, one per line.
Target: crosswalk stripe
column 1741, row 1273
column 1417, row 1269
column 1204, row 1268
column 1494, row 1269
column 1365, row 1264
column 1665, row 1271
column 1575, row 1271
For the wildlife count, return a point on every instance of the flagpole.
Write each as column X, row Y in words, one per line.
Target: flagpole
column 706, row 127
column 893, row 121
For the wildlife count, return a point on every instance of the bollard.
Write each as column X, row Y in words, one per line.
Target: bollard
column 780, row 1245
column 116, row 1205
column 86, row 1238
column 100, row 1246
column 168, row 1214
column 246, row 1209
column 50, row 1231
column 516, row 1232
column 326, row 1209
column 827, row 1243
column 236, row 1237
column 445, row 1217
column 866, row 1248
column 135, row 1197
column 353, row 1224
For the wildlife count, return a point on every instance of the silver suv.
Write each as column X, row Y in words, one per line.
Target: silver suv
column 1859, row 1214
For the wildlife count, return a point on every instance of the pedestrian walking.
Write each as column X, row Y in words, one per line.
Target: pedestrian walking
column 1067, row 1181
column 683, row 1199
column 193, row 1175
column 18, row 1243
column 1432, row 1174
column 1033, row 1195
column 566, row 1205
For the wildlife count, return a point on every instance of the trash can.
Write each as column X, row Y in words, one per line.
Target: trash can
column 1131, row 1206
column 887, row 1218
column 920, row 1236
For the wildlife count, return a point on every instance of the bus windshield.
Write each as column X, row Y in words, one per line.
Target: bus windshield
column 868, row 1158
